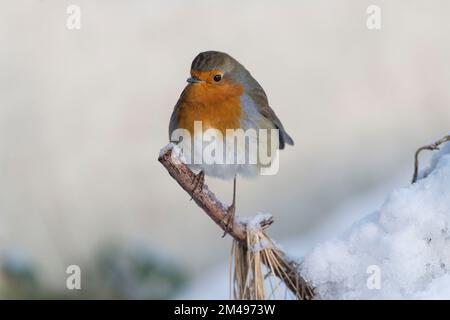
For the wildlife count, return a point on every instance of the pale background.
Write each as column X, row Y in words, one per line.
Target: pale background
column 84, row 113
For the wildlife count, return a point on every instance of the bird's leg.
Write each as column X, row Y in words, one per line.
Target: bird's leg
column 433, row 146
column 229, row 219
column 198, row 182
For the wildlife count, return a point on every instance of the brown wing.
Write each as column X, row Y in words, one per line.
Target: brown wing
column 173, row 124
column 260, row 98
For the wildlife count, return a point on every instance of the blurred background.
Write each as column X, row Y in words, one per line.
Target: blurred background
column 84, row 113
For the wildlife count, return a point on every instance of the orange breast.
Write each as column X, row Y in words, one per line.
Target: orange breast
column 217, row 106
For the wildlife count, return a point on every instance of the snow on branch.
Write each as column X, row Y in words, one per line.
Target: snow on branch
column 288, row 270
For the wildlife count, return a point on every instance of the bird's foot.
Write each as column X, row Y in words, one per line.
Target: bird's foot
column 198, row 182
column 228, row 220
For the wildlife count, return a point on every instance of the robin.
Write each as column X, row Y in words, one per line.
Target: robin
column 222, row 95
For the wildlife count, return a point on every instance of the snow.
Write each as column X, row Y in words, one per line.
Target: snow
column 166, row 148
column 177, row 153
column 256, row 221
column 405, row 246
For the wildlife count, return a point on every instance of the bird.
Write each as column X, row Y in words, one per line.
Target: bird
column 222, row 95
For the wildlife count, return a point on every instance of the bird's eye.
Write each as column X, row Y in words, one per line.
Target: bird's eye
column 217, row 77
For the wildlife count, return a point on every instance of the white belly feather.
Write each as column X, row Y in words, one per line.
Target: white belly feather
column 199, row 149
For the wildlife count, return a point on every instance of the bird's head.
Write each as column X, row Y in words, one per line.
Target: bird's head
column 218, row 73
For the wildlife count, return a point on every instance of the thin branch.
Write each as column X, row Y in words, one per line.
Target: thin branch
column 214, row 208
column 431, row 147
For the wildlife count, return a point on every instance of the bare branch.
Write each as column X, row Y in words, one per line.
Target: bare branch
column 214, row 208
column 431, row 147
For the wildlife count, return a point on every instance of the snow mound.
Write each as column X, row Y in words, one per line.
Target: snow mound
column 401, row 251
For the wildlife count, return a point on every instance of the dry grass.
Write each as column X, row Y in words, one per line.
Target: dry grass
column 255, row 265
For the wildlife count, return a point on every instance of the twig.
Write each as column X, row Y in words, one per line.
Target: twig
column 214, row 208
column 431, row 147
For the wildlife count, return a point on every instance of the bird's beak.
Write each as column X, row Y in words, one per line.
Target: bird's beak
column 193, row 80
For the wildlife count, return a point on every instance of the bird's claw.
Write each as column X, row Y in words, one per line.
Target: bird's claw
column 198, row 182
column 228, row 221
